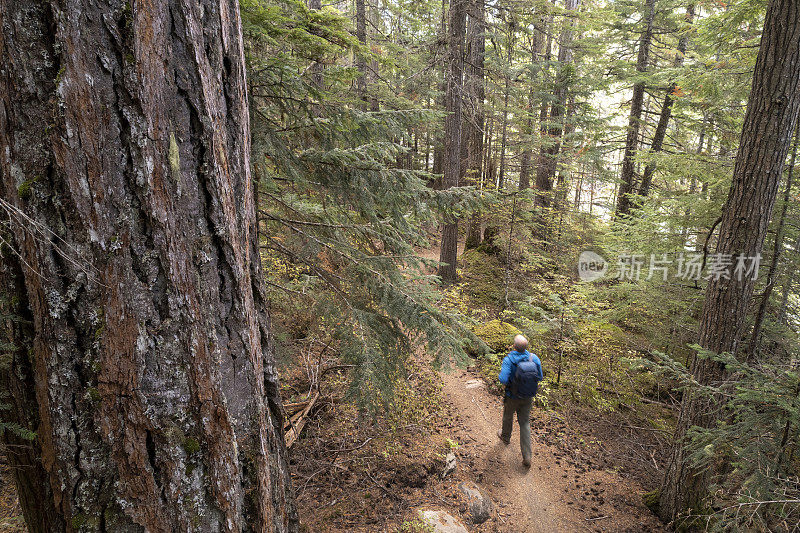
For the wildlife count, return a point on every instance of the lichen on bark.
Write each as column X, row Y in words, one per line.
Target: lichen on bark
column 156, row 398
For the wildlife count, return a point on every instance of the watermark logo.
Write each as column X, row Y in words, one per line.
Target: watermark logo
column 684, row 266
column 591, row 266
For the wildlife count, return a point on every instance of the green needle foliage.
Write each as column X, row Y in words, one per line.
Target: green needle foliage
column 340, row 221
column 758, row 488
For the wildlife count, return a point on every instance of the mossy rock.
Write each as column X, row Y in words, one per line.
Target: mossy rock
column 497, row 335
column 483, row 279
column 651, row 499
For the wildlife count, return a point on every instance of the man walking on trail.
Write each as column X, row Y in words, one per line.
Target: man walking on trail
column 521, row 373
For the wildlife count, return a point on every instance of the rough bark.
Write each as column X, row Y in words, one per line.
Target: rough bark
column 628, row 176
column 666, row 109
column 452, row 133
column 777, row 253
column 124, row 142
column 16, row 377
column 766, row 133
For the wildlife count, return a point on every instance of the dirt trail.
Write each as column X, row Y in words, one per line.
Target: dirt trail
column 554, row 495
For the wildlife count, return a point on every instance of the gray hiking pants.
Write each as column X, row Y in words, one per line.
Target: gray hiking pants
column 521, row 406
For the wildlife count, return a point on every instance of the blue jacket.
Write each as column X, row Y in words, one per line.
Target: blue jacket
column 509, row 368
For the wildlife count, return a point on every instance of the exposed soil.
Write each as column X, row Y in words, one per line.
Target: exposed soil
column 564, row 490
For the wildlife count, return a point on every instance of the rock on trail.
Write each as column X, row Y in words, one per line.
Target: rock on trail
column 441, row 521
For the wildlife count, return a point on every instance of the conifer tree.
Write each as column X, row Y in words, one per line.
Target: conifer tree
column 628, row 176
column 772, row 114
column 452, row 132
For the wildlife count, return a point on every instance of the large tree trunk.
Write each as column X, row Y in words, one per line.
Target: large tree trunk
column 124, row 135
column 666, row 109
column 452, row 133
column 628, row 177
column 768, row 125
column 777, row 253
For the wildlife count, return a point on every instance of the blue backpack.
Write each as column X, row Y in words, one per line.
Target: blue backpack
column 526, row 379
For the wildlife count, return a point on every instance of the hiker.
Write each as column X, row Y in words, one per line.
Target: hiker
column 521, row 373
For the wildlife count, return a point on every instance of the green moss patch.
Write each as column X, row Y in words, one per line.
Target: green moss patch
column 497, row 335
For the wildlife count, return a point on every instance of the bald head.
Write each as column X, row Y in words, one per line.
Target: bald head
column 520, row 343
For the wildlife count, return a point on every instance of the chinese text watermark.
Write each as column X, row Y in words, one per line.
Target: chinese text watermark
column 685, row 266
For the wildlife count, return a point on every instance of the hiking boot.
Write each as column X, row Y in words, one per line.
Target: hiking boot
column 500, row 436
column 526, row 463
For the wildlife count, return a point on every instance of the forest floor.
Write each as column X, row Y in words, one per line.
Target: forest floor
column 353, row 476
column 10, row 513
column 378, row 482
column 566, row 489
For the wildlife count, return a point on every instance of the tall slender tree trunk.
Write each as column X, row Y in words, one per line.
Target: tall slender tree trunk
column 525, row 157
column 787, row 287
column 438, row 142
column 628, row 177
column 543, row 185
column 488, row 151
column 562, row 185
column 579, row 186
column 477, row 94
column 766, row 133
column 501, row 174
column 537, row 44
column 427, row 166
column 452, row 133
column 692, row 190
column 361, row 60
column 666, row 109
column 317, row 68
column 548, row 157
column 373, row 15
column 125, row 178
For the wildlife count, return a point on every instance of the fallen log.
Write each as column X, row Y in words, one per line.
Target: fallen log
column 295, row 424
column 294, row 407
